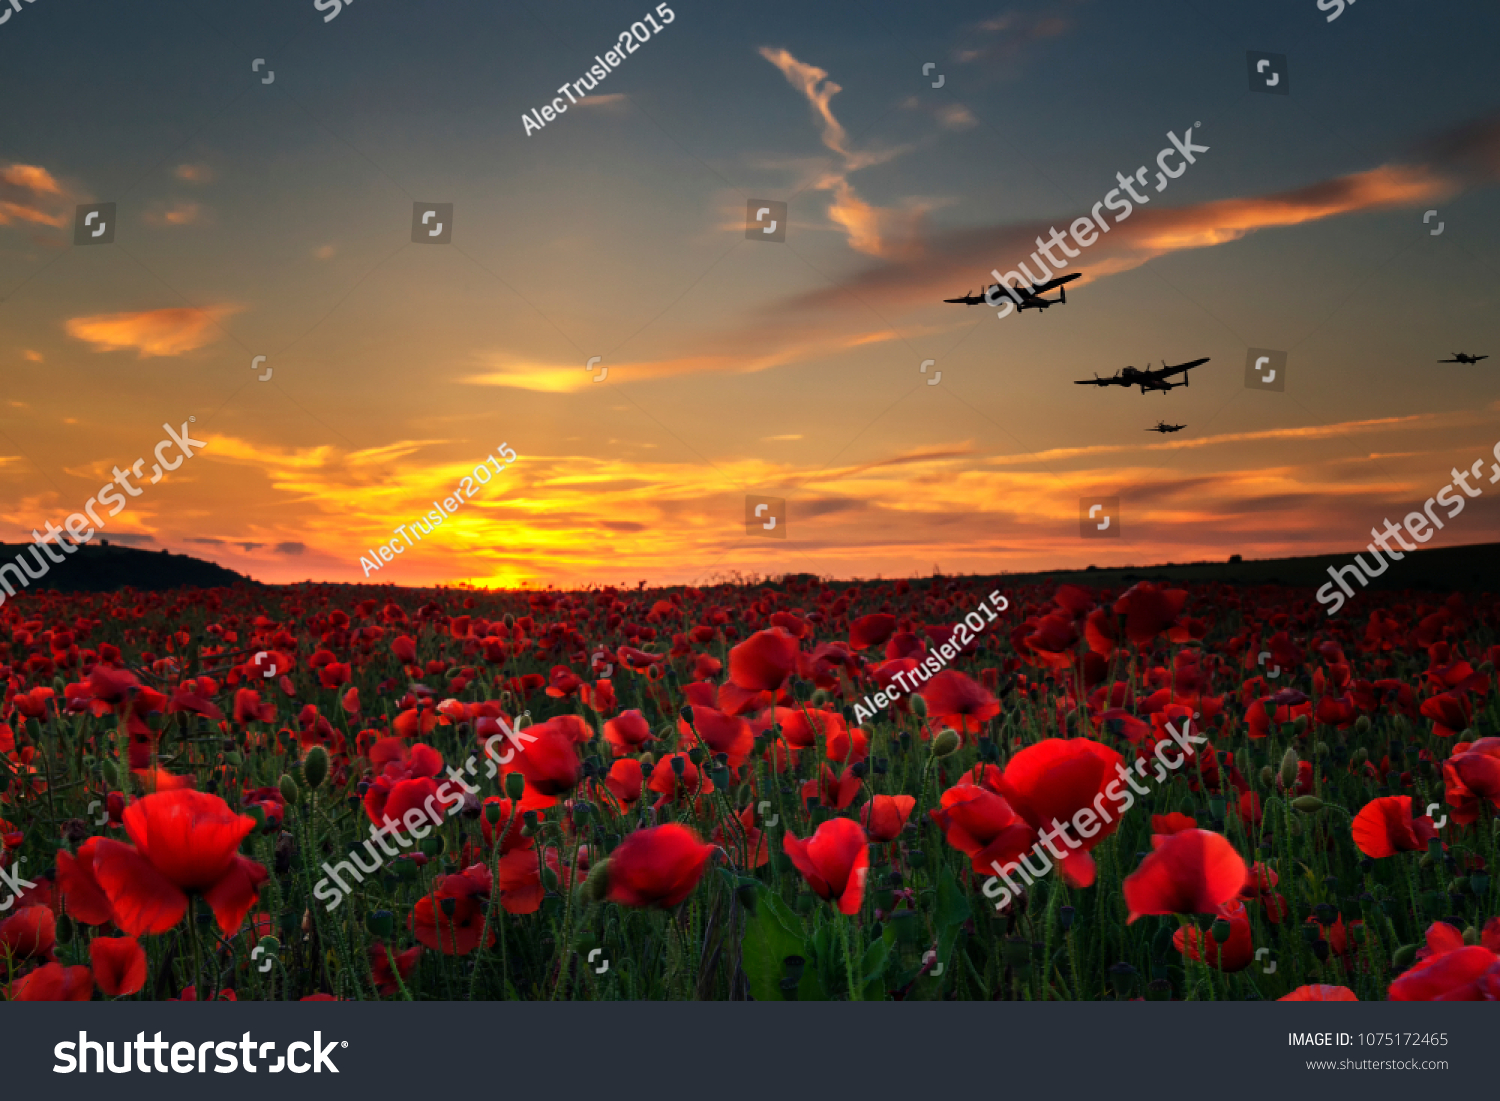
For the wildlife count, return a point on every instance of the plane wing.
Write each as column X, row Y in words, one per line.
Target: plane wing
column 1053, row 284
column 1167, row 372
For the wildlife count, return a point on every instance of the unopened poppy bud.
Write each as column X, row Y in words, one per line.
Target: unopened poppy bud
column 549, row 879
column 315, row 768
column 918, row 706
column 1362, row 724
column 1299, row 724
column 1267, row 777
column 1404, row 957
column 1307, row 803
column 597, row 884
column 110, row 770
column 289, row 790
column 945, row 744
column 1359, row 756
column 1320, row 749
column 1471, row 935
column 820, row 698
column 515, row 785
column 1122, row 977
column 1289, row 764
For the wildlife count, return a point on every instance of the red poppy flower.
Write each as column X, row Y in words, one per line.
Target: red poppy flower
column 1235, row 954
column 1171, row 823
column 758, row 667
column 1149, row 611
column 510, row 822
column 83, row 898
column 1385, row 826
column 722, row 733
column 658, row 866
column 1192, row 872
column 53, row 983
column 983, row 826
column 1471, row 776
column 1450, row 713
column 546, row 757
column 380, row 965
column 884, row 816
column 627, row 732
column 29, row 933
column 599, row 697
column 1454, row 972
column 119, row 965
column 801, row 726
column 186, row 842
column 625, row 780
column 1320, row 992
column 673, row 788
column 746, row 840
column 405, row 649
column 1058, row 781
column 831, row 790
column 451, row 918
column 834, row 861
column 955, row 700
column 871, row 630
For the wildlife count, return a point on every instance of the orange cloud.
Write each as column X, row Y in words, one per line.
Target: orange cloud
column 169, row 332
column 183, row 214
column 29, row 193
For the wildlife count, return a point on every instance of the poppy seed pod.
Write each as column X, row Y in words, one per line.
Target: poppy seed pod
column 515, row 785
column 289, row 790
column 1220, row 930
column 315, row 768
column 945, row 744
column 1289, row 765
column 492, row 813
column 679, row 766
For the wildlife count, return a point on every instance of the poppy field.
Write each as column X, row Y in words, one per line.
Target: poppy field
column 790, row 790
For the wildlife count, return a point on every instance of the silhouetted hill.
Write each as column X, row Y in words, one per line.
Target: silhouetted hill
column 100, row 567
column 1440, row 569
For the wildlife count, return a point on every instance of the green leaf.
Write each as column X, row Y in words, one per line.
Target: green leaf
column 873, row 966
column 771, row 935
column 952, row 905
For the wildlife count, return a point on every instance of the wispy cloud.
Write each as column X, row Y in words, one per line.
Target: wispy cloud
column 29, row 193
column 170, row 332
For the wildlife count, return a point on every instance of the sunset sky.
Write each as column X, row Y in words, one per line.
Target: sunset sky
column 275, row 220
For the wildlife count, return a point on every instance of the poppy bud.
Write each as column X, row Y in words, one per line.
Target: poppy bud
column 1122, row 977
column 289, row 790
column 110, row 770
column 597, row 884
column 549, row 879
column 1267, row 777
column 1320, row 749
column 1289, row 764
column 1362, row 724
column 945, row 744
column 315, row 768
column 515, row 785
column 1307, row 803
column 820, row 698
column 1299, row 724
column 918, row 706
